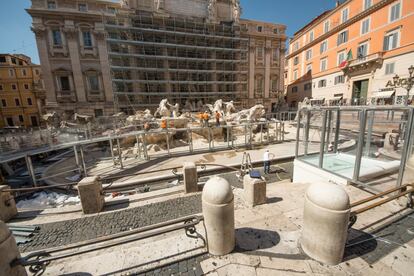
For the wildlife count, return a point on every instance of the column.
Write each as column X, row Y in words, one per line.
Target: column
column 42, row 46
column 104, row 61
column 252, row 63
column 268, row 50
column 73, row 46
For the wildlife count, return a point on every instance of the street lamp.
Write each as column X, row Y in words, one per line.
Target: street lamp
column 405, row 83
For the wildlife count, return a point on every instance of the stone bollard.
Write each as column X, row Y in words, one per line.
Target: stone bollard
column 325, row 223
column 8, row 253
column 190, row 177
column 90, row 193
column 7, row 204
column 218, row 212
column 254, row 191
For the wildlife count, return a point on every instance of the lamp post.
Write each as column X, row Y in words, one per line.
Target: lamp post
column 405, row 83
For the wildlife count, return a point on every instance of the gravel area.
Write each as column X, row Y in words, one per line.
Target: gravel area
column 72, row 231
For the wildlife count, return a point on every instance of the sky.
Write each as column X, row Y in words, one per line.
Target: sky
column 16, row 36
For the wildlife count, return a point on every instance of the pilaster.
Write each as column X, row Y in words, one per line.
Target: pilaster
column 268, row 49
column 252, row 64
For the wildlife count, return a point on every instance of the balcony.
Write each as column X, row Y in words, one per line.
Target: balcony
column 96, row 97
column 371, row 62
column 66, row 96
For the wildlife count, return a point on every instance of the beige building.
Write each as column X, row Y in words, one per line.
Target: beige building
column 101, row 57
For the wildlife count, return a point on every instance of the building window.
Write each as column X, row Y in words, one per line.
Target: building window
column 395, row 12
column 324, row 64
column 10, row 121
column 307, row 86
column 389, row 68
column 260, row 52
column 296, row 46
column 259, row 29
column 259, row 84
column 2, row 59
column 57, row 38
column 365, row 26
column 14, row 87
column 24, row 73
column 17, row 102
column 111, row 10
column 309, row 54
column 37, row 72
column 29, row 101
column 274, row 84
column 391, row 40
column 275, row 31
column 367, row 4
column 295, row 75
column 308, row 68
column 339, row 79
column 26, row 86
column 324, row 47
column 326, row 26
column 362, row 50
column 275, row 54
column 64, row 83
column 344, row 15
column 87, row 39
column 11, row 73
column 13, row 60
column 341, row 57
column 98, row 112
column 51, row 5
column 21, row 119
column 3, row 102
column 35, row 123
column 93, row 82
column 322, row 83
column 1, row 87
column 311, row 36
column 342, row 37
column 296, row 60
column 294, row 89
column 82, row 7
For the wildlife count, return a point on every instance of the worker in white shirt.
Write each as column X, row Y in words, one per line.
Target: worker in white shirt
column 266, row 161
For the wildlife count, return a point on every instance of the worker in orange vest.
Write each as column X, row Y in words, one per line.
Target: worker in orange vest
column 218, row 115
column 206, row 117
column 163, row 124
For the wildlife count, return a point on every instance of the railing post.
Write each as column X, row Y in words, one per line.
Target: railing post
column 360, row 147
column 407, row 148
column 119, row 153
column 30, row 170
column 85, row 173
column 228, row 136
column 297, row 133
column 190, row 139
column 168, row 141
column 307, row 127
column 337, row 127
column 111, row 146
column 323, row 136
column 328, row 130
column 144, row 144
column 261, row 133
column 209, row 137
column 370, row 118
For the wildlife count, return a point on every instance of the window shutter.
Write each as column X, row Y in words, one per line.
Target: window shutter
column 394, row 40
column 338, row 40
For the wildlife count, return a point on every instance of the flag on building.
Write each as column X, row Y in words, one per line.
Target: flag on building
column 348, row 58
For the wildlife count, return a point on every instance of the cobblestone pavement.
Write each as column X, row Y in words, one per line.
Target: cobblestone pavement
column 72, row 231
column 188, row 267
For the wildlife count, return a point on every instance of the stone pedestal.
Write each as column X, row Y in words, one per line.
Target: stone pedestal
column 8, row 253
column 7, row 204
column 90, row 193
column 190, row 177
column 254, row 191
column 218, row 212
column 325, row 223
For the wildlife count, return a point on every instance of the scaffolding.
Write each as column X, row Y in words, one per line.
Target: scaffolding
column 186, row 60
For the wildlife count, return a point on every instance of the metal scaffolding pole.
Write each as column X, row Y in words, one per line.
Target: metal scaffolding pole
column 75, row 150
column 337, row 127
column 360, row 147
column 323, row 136
column 119, row 153
column 307, row 127
column 82, row 156
column 370, row 118
column 408, row 146
column 111, row 148
column 30, row 170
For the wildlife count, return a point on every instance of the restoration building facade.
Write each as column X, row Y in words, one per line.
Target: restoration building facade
column 350, row 54
column 101, row 57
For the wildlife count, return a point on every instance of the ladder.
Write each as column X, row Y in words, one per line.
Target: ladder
column 245, row 166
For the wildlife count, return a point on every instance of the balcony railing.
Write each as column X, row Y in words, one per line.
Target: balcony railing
column 66, row 96
column 366, row 59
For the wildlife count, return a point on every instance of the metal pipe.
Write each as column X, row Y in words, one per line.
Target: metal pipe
column 297, row 133
column 30, row 170
column 119, row 153
column 370, row 118
column 307, row 127
column 381, row 202
column 209, row 136
column 228, row 136
column 190, row 140
column 360, row 147
column 144, row 142
column 261, row 134
column 328, row 133
column 168, row 141
column 365, row 200
column 85, row 172
column 75, row 150
column 323, row 134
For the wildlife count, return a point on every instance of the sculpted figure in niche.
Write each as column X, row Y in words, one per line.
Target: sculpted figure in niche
column 211, row 7
column 236, row 11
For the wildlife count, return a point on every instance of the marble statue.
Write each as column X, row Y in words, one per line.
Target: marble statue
column 252, row 114
column 230, row 108
column 157, row 4
column 163, row 109
column 218, row 106
column 124, row 3
column 236, row 11
column 175, row 109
